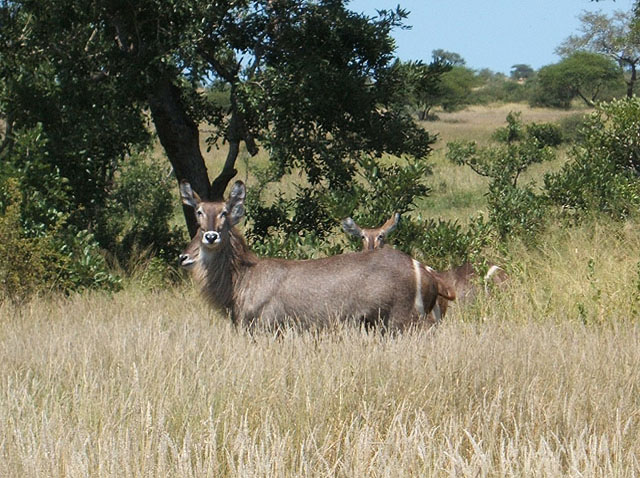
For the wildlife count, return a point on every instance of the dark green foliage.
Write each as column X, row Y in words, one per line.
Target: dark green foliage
column 457, row 88
column 588, row 76
column 546, row 134
column 329, row 94
column 513, row 210
column 138, row 213
column 572, row 127
column 55, row 259
column 603, row 173
column 421, row 85
column 440, row 243
column 25, row 262
column 313, row 83
column 389, row 188
column 40, row 203
column 306, row 223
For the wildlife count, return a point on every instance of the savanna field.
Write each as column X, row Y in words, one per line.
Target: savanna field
column 538, row 380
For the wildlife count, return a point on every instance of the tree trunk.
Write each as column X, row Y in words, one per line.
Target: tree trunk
column 180, row 138
column 632, row 81
column 236, row 133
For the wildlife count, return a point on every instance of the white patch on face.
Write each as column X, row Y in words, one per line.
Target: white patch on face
column 210, row 239
column 418, row 303
column 187, row 261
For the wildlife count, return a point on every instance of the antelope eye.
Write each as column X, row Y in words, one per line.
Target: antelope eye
column 223, row 214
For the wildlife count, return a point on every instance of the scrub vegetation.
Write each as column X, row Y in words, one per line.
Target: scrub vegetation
column 539, row 380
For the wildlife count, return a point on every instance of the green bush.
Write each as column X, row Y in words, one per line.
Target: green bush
column 41, row 251
column 547, row 134
column 138, row 213
column 516, row 211
column 602, row 175
column 513, row 210
column 27, row 264
column 55, row 260
column 440, row 243
column 571, row 127
column 306, row 223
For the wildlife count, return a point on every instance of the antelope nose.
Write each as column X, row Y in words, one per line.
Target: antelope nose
column 211, row 236
column 182, row 258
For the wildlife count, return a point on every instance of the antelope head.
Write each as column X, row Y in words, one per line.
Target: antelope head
column 189, row 256
column 215, row 218
column 371, row 238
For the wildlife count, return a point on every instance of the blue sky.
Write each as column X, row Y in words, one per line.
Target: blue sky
column 493, row 34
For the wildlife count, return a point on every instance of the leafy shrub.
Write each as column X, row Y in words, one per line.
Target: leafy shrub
column 547, row 134
column 513, row 210
column 307, row 222
column 55, row 259
column 603, row 173
column 513, row 131
column 516, row 211
column 440, row 243
column 40, row 250
column 571, row 127
column 138, row 213
column 25, row 262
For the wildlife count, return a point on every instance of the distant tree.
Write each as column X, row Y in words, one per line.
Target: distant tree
column 582, row 74
column 445, row 82
column 521, row 72
column 487, row 74
column 423, row 85
column 456, row 88
column 443, row 56
column 616, row 36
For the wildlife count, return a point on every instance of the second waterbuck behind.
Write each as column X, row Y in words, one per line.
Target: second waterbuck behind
column 382, row 286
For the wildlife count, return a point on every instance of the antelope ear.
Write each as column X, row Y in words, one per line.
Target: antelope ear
column 350, row 227
column 189, row 196
column 235, row 204
column 391, row 224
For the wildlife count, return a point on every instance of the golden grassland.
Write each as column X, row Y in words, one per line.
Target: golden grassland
column 540, row 380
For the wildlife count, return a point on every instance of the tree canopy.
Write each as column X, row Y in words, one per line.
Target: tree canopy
column 614, row 36
column 310, row 81
column 582, row 74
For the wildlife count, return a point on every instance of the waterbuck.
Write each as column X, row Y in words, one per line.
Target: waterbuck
column 460, row 278
column 381, row 286
column 189, row 257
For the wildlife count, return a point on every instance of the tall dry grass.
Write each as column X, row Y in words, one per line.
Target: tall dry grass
column 540, row 380
column 153, row 384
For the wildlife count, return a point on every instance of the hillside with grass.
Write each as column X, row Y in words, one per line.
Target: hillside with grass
column 539, row 379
